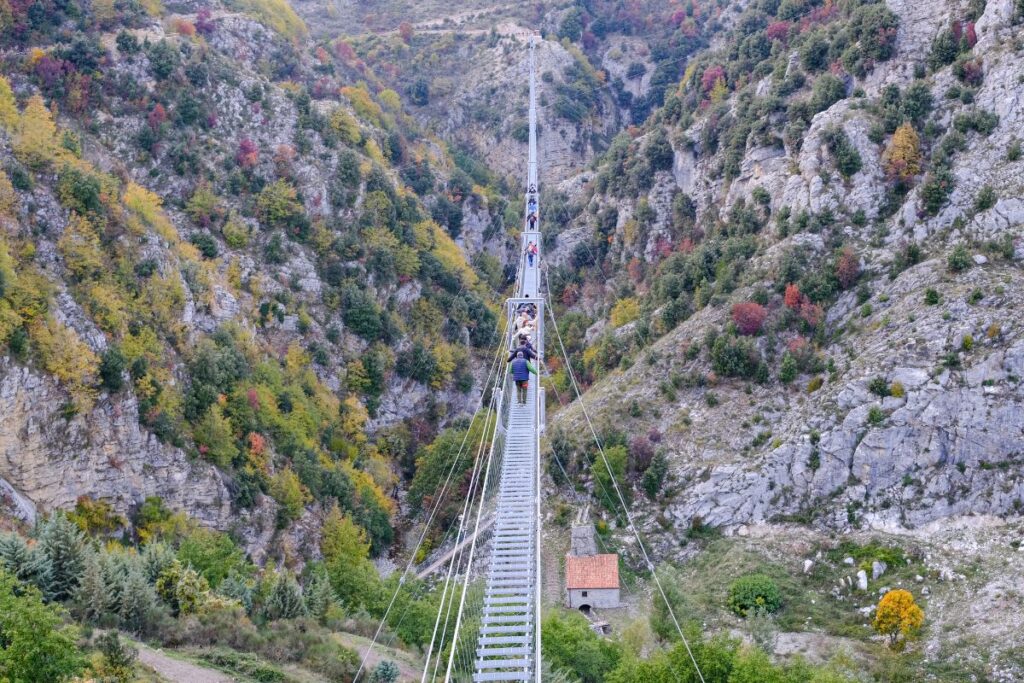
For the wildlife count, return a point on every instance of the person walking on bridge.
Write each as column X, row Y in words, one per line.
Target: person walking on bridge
column 521, row 369
column 531, row 252
column 531, row 205
column 524, row 349
column 532, row 220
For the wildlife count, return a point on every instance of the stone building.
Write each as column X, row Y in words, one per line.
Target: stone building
column 592, row 581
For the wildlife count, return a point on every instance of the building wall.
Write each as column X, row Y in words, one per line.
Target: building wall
column 595, row 597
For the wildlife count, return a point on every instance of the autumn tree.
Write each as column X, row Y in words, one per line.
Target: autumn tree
column 898, row 615
column 8, row 107
column 346, row 552
column 406, row 32
column 847, row 267
column 248, row 154
column 793, row 297
column 36, row 141
column 749, row 317
column 902, row 158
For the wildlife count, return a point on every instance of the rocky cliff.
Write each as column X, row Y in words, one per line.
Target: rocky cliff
column 827, row 443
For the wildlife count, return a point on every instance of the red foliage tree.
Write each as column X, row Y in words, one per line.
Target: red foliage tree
column 405, row 31
column 344, row 51
column 778, row 30
column 710, row 77
column 810, row 312
column 157, row 117
column 749, row 317
column 204, row 21
column 635, row 269
column 970, row 34
column 248, row 153
column 793, row 298
column 847, row 268
column 257, row 444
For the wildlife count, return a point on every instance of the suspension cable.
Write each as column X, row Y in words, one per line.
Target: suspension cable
column 493, row 370
column 618, row 492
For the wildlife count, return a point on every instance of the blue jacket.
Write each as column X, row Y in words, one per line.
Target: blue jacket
column 520, row 370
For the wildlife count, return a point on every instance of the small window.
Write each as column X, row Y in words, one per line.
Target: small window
column 584, row 593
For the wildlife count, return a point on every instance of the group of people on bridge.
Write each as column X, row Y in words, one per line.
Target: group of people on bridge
column 525, row 325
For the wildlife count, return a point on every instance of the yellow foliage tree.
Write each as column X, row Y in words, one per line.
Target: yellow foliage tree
column 345, row 127
column 107, row 307
column 8, row 106
column 8, row 197
column 35, row 143
column 625, row 311
column 898, row 615
column 346, row 552
column 289, row 493
column 147, row 206
column 276, row 14
column 365, row 107
column 902, row 158
column 80, row 247
column 390, row 99
column 65, row 355
column 719, row 91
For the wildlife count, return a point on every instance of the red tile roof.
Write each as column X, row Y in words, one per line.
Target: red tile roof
column 591, row 571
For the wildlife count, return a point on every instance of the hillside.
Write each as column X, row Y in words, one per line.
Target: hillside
column 252, row 257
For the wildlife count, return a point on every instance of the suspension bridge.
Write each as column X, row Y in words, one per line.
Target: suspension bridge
column 488, row 620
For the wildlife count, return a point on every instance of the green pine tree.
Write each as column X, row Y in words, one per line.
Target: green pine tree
column 237, row 588
column 385, row 672
column 155, row 559
column 139, row 602
column 26, row 564
column 285, row 601
column 63, row 545
column 318, row 594
column 92, row 599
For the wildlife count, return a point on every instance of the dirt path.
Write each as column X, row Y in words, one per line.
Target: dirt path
column 177, row 670
column 409, row 666
column 439, row 562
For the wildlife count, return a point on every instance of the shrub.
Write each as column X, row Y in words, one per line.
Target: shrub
column 814, row 384
column 896, row 390
column 1013, row 152
column 659, row 151
column 755, row 591
column 827, row 90
column 733, row 357
column 898, row 615
column 936, row 189
column 985, row 200
column 959, row 259
column 876, row 416
column 788, row 369
column 931, row 297
column 112, row 366
column 967, row 343
column 749, row 317
column 205, row 243
column 847, row 158
column 978, row 120
column 879, row 387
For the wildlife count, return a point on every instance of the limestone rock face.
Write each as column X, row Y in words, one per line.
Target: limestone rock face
column 104, row 454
